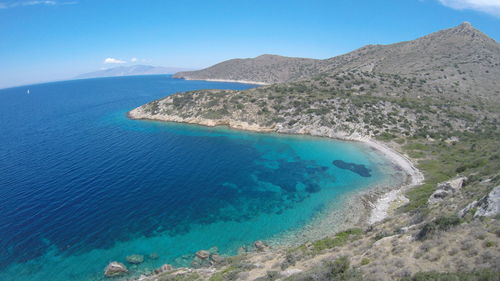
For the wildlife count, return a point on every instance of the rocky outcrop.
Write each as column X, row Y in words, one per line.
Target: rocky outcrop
column 489, row 206
column 445, row 189
column 115, row 269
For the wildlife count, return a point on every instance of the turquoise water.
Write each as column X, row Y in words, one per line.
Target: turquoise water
column 82, row 185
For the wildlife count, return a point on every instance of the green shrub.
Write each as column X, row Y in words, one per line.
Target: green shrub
column 439, row 224
column 339, row 239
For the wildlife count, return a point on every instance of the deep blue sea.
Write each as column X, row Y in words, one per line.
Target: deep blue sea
column 82, row 185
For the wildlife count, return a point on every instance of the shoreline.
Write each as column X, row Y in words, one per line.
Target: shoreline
column 225, row 80
column 378, row 201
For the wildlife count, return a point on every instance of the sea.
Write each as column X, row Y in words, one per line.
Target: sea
column 82, row 185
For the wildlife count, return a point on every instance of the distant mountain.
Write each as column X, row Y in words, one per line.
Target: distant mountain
column 264, row 69
column 131, row 70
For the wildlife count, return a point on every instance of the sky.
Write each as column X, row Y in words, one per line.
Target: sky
column 48, row 40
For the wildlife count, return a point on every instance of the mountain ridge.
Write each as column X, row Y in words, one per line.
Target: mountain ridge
column 130, row 70
column 434, row 57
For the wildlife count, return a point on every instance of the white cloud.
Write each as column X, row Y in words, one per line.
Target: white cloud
column 133, row 60
column 113, row 60
column 487, row 6
column 32, row 3
column 6, row 5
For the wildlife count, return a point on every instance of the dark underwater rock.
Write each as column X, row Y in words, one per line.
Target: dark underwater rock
column 359, row 169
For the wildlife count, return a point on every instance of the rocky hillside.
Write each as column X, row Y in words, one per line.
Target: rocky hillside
column 436, row 99
column 352, row 100
column 264, row 69
column 459, row 60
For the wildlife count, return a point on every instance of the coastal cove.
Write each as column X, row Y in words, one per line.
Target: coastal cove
column 164, row 190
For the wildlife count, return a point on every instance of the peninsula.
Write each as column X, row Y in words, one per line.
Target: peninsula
column 433, row 100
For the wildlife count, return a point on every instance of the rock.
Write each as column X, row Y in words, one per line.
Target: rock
column 452, row 185
column 260, row 245
column 489, row 206
column 115, row 269
column 452, row 140
column 135, row 259
column 445, row 189
column 202, row 254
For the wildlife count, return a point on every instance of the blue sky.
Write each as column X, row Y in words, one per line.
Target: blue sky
column 52, row 40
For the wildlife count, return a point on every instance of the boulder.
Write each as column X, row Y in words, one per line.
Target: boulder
column 115, row 269
column 260, row 245
column 489, row 206
column 135, row 259
column 445, row 189
column 202, row 254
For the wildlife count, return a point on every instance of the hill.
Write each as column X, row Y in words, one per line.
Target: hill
column 130, row 70
column 460, row 59
column 263, row 69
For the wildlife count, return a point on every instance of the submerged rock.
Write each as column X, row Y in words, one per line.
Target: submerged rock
column 203, row 254
column 359, row 169
column 135, row 259
column 115, row 269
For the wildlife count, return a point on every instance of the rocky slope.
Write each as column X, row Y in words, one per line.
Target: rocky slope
column 435, row 99
column 456, row 60
column 263, row 69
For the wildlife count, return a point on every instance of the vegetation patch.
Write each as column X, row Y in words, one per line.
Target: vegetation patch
column 439, row 224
